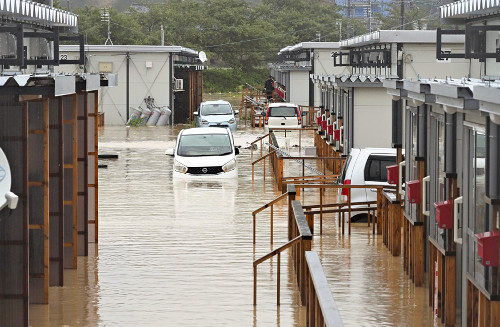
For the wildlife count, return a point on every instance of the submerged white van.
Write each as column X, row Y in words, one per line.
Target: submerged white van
column 367, row 166
column 205, row 153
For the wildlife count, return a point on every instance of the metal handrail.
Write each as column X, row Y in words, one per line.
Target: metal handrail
column 277, row 250
column 268, row 256
column 255, row 212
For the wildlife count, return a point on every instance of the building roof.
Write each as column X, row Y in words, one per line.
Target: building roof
column 34, row 13
column 131, row 49
column 469, row 10
column 310, row 46
column 400, row 36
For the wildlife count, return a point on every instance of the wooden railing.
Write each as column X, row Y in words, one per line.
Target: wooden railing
column 278, row 161
column 315, row 293
column 321, row 309
column 309, row 120
column 345, row 206
column 299, row 241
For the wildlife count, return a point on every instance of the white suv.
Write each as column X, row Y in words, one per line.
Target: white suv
column 366, row 166
column 282, row 115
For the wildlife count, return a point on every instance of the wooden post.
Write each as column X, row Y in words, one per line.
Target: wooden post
column 349, row 208
column 272, row 216
column 450, row 292
column 321, row 191
column 419, row 263
column 279, row 273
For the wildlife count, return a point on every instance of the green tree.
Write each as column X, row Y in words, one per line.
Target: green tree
column 419, row 16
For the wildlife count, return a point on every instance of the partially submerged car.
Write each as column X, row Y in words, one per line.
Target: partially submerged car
column 205, row 152
column 367, row 166
column 217, row 113
column 282, row 115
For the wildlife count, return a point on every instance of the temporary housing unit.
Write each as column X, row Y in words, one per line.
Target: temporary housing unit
column 358, row 105
column 296, row 64
column 48, row 136
column 171, row 76
column 451, row 138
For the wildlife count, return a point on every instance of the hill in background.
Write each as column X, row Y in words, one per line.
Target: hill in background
column 119, row 5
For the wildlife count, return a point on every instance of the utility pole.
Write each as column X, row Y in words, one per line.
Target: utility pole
column 105, row 18
column 369, row 13
column 348, row 17
column 162, row 36
column 402, row 14
column 338, row 22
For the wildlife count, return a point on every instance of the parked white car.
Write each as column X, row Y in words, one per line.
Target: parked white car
column 205, row 152
column 217, row 113
column 367, row 166
column 282, row 115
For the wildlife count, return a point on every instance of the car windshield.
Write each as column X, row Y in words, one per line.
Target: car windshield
column 283, row 112
column 216, row 109
column 204, row 145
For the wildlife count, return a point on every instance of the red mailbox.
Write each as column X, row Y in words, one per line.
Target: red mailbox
column 414, row 189
column 329, row 129
column 323, row 125
column 487, row 248
column 392, row 174
column 336, row 134
column 444, row 214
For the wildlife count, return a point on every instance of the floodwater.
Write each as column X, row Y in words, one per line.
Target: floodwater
column 180, row 253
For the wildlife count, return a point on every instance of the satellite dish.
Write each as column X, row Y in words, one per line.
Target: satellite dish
column 202, row 56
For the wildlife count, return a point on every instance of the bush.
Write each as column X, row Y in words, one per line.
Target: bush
column 230, row 80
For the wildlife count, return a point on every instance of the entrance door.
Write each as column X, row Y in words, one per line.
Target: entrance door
column 474, row 216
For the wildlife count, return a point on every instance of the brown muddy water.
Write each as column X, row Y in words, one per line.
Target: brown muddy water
column 180, row 253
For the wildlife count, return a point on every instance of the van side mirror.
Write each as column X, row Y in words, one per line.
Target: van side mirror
column 236, row 112
column 236, row 151
column 195, row 113
column 169, row 152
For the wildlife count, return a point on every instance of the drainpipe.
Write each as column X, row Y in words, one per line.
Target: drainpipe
column 397, row 123
column 450, row 147
column 492, row 156
column 171, row 88
column 128, row 85
column 311, row 84
column 421, row 130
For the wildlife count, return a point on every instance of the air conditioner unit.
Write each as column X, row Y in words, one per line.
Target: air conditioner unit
column 179, row 84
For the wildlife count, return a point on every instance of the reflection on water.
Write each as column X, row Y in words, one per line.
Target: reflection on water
column 180, row 253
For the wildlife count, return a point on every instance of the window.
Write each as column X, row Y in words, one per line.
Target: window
column 283, row 112
column 204, row 145
column 216, row 109
column 376, row 167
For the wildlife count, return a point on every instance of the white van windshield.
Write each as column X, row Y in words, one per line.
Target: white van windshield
column 216, row 109
column 204, row 145
column 283, row 112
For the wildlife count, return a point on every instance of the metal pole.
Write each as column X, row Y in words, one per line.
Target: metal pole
column 128, row 85
column 162, row 36
column 402, row 14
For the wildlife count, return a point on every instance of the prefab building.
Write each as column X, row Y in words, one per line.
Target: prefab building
column 296, row 64
column 48, row 135
column 452, row 131
column 168, row 76
column 356, row 97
